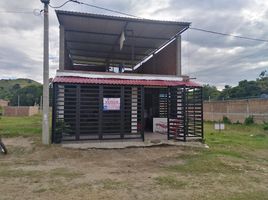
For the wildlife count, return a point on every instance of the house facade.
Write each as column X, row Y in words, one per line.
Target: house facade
column 120, row 78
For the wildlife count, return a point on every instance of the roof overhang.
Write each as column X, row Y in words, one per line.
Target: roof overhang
column 119, row 79
column 94, row 39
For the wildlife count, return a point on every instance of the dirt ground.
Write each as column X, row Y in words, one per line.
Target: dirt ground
column 34, row 171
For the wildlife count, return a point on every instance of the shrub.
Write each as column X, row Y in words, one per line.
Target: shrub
column 61, row 127
column 237, row 122
column 265, row 126
column 249, row 120
column 226, row 120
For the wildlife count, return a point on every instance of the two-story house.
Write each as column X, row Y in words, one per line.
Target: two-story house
column 120, row 78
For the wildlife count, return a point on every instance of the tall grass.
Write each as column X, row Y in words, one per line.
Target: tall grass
column 20, row 126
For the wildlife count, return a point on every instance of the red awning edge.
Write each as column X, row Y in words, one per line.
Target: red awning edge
column 115, row 81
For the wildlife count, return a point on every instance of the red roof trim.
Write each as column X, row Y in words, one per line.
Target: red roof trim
column 114, row 81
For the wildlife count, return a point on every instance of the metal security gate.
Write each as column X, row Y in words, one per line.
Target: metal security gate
column 97, row 112
column 185, row 113
column 194, row 112
column 176, row 113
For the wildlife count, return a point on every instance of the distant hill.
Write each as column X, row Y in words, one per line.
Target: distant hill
column 8, row 87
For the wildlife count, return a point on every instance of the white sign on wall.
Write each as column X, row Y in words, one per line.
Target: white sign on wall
column 111, row 104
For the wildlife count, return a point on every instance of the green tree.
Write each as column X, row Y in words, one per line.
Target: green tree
column 226, row 92
column 248, row 89
column 262, row 82
column 16, row 87
column 210, row 92
column 245, row 89
column 29, row 96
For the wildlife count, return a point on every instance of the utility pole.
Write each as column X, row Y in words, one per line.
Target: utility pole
column 45, row 124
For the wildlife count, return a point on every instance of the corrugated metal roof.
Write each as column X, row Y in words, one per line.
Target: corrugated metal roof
column 113, row 81
column 94, row 39
column 123, row 18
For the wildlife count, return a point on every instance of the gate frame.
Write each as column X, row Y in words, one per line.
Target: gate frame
column 140, row 129
column 99, row 134
column 187, row 105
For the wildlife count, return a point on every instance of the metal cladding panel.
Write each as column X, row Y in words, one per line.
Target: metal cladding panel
column 82, row 30
column 114, row 81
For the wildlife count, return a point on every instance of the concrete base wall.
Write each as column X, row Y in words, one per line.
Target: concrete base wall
column 237, row 110
column 23, row 111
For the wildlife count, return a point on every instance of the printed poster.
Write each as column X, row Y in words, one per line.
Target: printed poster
column 111, row 104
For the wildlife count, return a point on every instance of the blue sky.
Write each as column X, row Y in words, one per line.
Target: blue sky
column 212, row 59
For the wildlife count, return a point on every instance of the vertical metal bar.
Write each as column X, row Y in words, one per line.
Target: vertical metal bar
column 178, row 55
column 185, row 105
column 194, row 100
column 202, row 122
column 77, row 123
column 100, row 110
column 134, row 110
column 133, row 49
column 54, row 111
column 177, row 108
column 168, row 113
column 122, row 112
column 142, row 112
column 62, row 48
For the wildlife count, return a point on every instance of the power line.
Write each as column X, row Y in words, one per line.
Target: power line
column 229, row 35
column 56, row 7
column 11, row 11
column 192, row 28
column 35, row 12
column 94, row 6
column 106, row 9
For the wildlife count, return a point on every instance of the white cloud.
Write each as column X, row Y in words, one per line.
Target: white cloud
column 212, row 59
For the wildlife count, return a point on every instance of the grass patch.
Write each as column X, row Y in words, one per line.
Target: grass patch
column 253, row 136
column 58, row 172
column 40, row 190
column 261, row 195
column 170, row 182
column 19, row 173
column 65, row 173
column 235, row 166
column 227, row 148
column 110, row 184
column 20, row 126
column 204, row 163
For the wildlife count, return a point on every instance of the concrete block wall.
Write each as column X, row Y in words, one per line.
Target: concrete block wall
column 237, row 110
column 22, row 111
